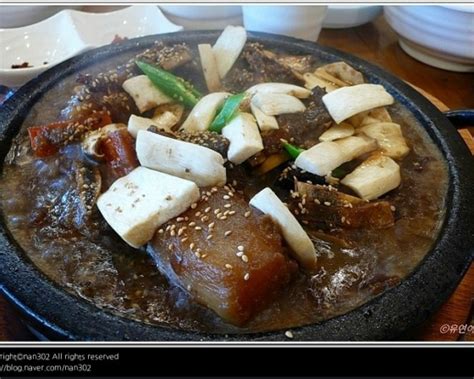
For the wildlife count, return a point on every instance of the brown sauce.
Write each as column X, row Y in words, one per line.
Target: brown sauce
column 95, row 264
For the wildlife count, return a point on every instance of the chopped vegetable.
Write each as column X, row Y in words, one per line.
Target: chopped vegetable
column 301, row 245
column 228, row 48
column 264, row 122
column 137, row 204
column 323, row 74
column 282, row 88
column 273, row 104
column 203, row 166
column 204, row 112
column 321, row 159
column 47, row 139
column 244, row 137
column 119, row 152
column 344, row 72
column 312, row 81
column 272, row 162
column 292, row 150
column 337, row 131
column 348, row 101
column 374, row 177
column 168, row 115
column 229, row 109
column 354, row 146
column 170, row 85
column 389, row 137
column 145, row 94
column 209, row 67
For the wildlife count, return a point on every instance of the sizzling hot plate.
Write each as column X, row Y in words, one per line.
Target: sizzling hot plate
column 61, row 315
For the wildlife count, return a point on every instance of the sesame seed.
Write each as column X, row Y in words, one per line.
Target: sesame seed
column 179, row 219
column 170, row 246
column 197, row 254
column 197, row 214
column 223, row 218
column 226, row 197
column 228, row 266
column 246, row 276
column 181, row 230
column 198, row 228
column 209, row 237
column 192, row 223
column 227, row 205
column 245, row 258
column 217, row 211
column 207, row 209
column 327, row 203
column 343, row 219
column 211, row 225
column 392, row 208
column 317, row 201
column 184, row 239
column 247, row 214
column 240, row 248
column 228, row 233
column 160, row 231
column 231, row 213
column 191, row 245
column 240, row 253
column 204, row 218
column 288, row 334
column 172, row 233
column 194, row 205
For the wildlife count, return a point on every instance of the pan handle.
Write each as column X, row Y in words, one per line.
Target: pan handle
column 461, row 118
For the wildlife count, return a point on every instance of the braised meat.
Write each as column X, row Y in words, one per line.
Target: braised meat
column 230, row 258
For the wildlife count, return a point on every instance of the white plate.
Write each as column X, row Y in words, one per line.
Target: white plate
column 69, row 33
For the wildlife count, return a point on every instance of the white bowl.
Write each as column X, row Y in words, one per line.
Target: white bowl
column 349, row 16
column 300, row 21
column 441, row 36
column 201, row 17
column 69, row 33
column 14, row 16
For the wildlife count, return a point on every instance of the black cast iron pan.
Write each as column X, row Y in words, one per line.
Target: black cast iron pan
column 60, row 315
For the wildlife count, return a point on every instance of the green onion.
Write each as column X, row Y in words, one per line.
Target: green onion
column 229, row 109
column 171, row 85
column 292, row 150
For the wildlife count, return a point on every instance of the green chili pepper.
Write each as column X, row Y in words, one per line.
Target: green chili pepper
column 227, row 112
column 171, row 85
column 292, row 150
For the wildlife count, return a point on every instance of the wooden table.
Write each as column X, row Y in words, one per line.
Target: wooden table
column 377, row 43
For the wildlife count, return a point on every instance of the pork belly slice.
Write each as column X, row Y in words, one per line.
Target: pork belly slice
column 228, row 256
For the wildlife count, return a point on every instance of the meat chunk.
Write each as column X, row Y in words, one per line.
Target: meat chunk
column 229, row 257
column 327, row 207
column 258, row 65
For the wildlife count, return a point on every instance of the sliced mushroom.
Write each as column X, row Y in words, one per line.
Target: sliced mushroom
column 389, row 137
column 337, row 131
column 284, row 88
column 344, row 72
